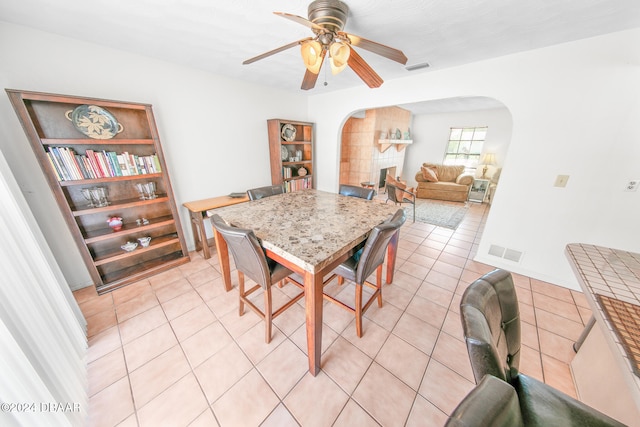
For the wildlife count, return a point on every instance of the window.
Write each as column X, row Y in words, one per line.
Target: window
column 465, row 146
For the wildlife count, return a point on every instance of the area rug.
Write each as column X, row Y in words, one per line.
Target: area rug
column 440, row 214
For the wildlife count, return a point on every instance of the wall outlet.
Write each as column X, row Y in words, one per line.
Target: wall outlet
column 561, row 181
column 632, row 185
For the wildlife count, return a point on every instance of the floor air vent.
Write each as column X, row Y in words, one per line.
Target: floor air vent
column 506, row 253
column 496, row 250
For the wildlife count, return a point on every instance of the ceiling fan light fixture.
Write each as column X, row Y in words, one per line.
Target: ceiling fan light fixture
column 311, row 51
column 339, row 53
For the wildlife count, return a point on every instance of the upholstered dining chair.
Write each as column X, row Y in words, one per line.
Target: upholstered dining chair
column 252, row 262
column 400, row 196
column 260, row 192
column 491, row 324
column 363, row 263
column 355, row 191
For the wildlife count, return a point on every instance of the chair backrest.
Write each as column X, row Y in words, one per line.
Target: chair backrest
column 260, row 192
column 375, row 248
column 491, row 324
column 355, row 191
column 392, row 193
column 246, row 250
column 492, row 402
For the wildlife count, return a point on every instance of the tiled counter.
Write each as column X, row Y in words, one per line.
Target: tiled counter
column 606, row 367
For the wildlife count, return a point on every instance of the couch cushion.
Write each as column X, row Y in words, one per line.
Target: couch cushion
column 429, row 174
column 465, row 179
column 446, row 172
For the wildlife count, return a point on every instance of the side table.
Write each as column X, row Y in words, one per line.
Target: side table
column 198, row 212
column 478, row 190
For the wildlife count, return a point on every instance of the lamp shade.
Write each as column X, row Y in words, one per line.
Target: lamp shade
column 488, row 159
column 339, row 56
column 311, row 51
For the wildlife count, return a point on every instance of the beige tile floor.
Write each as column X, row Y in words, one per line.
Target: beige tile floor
column 172, row 350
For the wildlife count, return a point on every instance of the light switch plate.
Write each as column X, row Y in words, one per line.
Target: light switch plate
column 561, row 181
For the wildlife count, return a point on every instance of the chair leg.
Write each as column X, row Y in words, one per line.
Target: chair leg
column 379, row 284
column 241, row 292
column 359, row 310
column 268, row 310
column 414, row 211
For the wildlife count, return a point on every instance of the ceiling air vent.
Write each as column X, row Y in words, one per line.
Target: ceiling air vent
column 417, row 66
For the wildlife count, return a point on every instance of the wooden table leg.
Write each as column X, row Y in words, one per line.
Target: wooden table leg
column 313, row 302
column 223, row 258
column 392, row 250
column 200, row 234
column 195, row 219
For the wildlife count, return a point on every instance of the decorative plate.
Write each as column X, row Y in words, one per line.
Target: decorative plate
column 302, row 172
column 95, row 122
column 284, row 154
column 288, row 132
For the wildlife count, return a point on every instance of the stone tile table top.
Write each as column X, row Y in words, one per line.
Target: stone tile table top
column 310, row 228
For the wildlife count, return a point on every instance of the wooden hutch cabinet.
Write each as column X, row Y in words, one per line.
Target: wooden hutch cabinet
column 99, row 157
column 291, row 153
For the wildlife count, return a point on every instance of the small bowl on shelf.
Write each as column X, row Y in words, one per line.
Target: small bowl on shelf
column 129, row 246
column 144, row 241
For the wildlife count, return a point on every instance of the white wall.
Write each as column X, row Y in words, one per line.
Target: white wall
column 431, row 133
column 575, row 110
column 213, row 129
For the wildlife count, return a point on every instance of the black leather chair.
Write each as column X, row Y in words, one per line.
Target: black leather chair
column 260, row 192
column 251, row 261
column 398, row 195
column 355, row 191
column 492, row 402
column 363, row 263
column 491, row 324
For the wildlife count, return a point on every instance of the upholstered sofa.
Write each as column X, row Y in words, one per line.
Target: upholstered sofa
column 443, row 182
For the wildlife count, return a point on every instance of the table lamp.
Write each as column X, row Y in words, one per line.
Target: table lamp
column 488, row 159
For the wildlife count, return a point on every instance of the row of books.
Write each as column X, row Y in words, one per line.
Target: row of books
column 287, row 172
column 70, row 166
column 298, row 184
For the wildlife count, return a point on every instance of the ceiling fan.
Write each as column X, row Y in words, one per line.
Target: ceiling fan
column 327, row 18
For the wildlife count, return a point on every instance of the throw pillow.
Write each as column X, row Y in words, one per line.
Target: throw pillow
column 429, row 174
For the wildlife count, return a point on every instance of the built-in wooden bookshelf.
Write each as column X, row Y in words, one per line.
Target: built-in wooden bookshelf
column 77, row 160
column 291, row 153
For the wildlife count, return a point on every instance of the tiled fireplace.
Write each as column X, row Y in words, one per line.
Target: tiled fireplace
column 361, row 158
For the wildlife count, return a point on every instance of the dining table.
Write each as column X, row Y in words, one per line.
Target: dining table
column 310, row 232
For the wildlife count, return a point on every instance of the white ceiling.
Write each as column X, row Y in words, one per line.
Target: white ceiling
column 217, row 36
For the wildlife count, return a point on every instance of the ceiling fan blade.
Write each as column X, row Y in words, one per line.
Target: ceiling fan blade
column 274, row 51
column 309, row 80
column 377, row 48
column 363, row 70
column 300, row 20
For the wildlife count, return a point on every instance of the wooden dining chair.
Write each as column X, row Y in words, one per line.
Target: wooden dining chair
column 251, row 261
column 355, row 191
column 363, row 263
column 269, row 190
column 400, row 196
